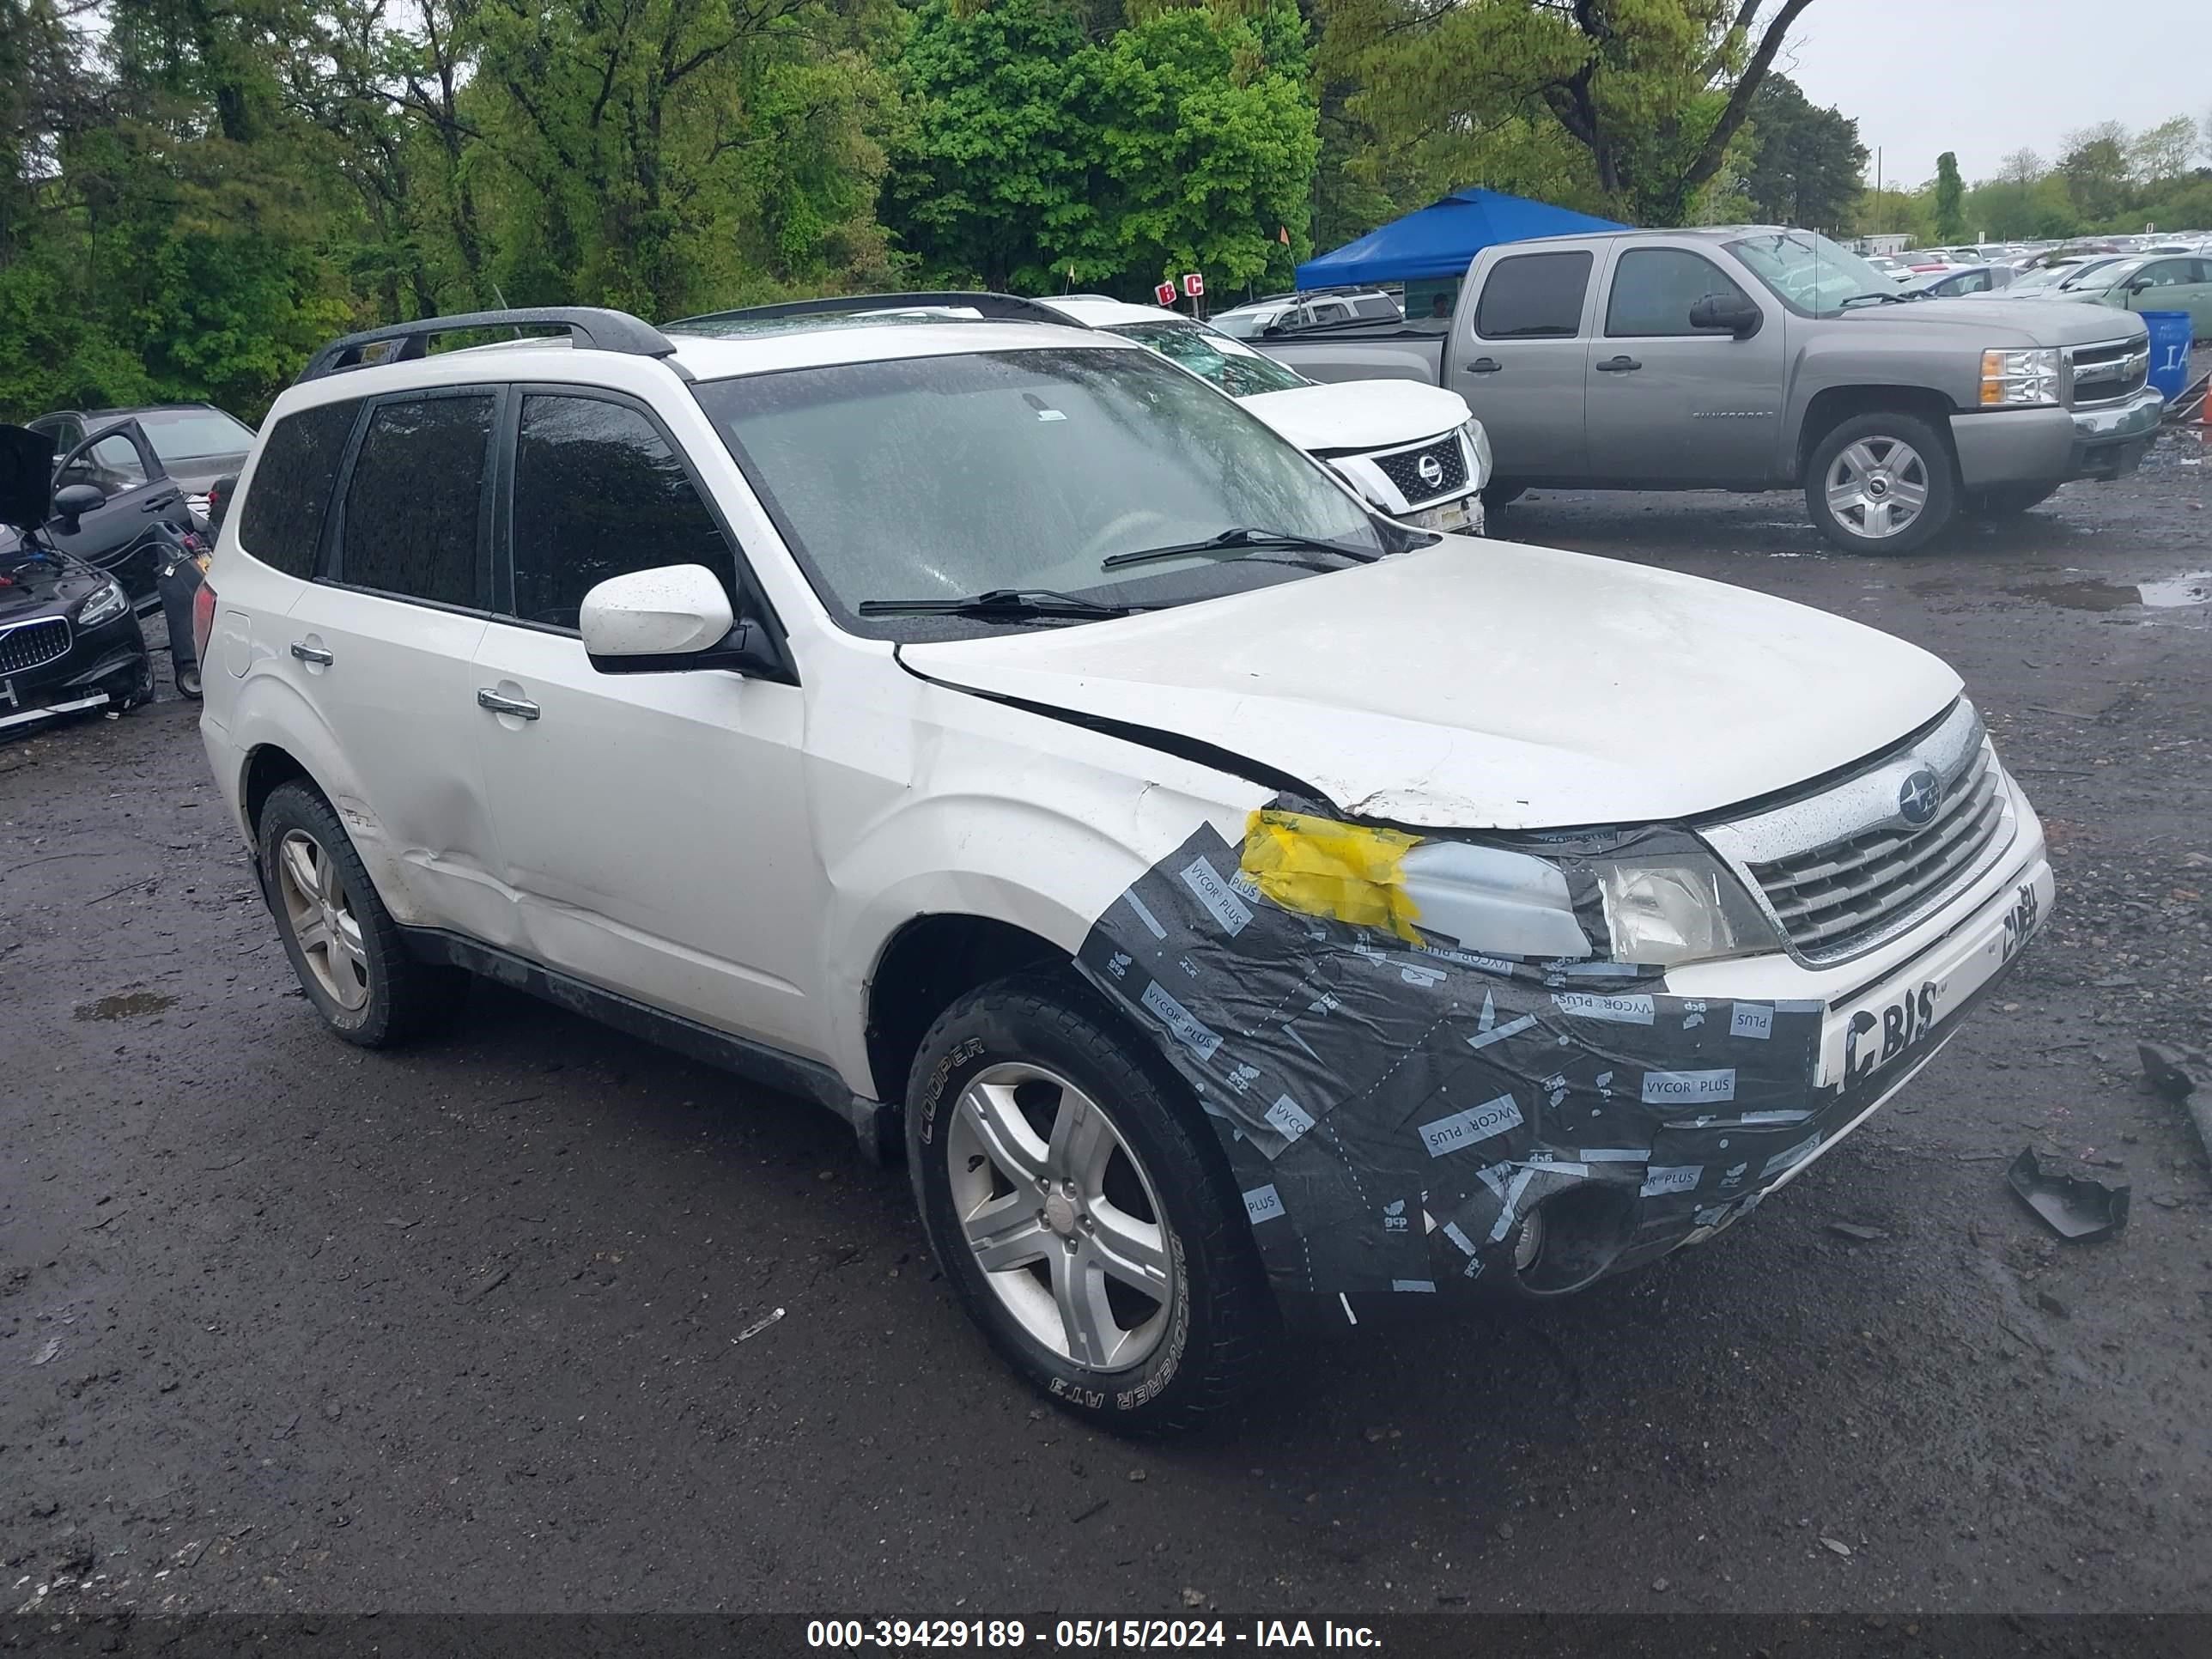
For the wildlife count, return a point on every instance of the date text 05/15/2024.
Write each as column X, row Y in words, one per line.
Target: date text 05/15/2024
column 1086, row 1634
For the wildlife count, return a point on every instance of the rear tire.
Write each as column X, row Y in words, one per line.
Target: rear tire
column 1076, row 1203
column 1881, row 483
column 2007, row 500
column 343, row 943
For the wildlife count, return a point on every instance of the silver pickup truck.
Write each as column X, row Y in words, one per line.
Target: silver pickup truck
column 1756, row 358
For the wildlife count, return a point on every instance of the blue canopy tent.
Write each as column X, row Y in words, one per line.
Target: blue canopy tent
column 1443, row 238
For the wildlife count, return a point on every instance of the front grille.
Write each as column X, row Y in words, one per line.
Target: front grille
column 1836, row 897
column 1404, row 470
column 33, row 644
column 2107, row 373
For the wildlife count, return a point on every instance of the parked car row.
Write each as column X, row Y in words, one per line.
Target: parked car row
column 1757, row 358
column 1061, row 774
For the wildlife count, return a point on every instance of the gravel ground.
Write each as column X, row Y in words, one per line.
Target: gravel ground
column 285, row 1326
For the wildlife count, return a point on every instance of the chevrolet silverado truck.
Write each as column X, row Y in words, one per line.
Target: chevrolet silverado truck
column 1755, row 358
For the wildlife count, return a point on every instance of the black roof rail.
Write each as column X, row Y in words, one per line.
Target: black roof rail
column 591, row 328
column 998, row 308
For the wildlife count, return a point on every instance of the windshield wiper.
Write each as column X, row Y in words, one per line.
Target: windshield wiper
column 1879, row 297
column 1000, row 605
column 1237, row 538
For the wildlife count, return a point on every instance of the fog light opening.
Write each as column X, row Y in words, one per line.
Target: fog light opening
column 1569, row 1240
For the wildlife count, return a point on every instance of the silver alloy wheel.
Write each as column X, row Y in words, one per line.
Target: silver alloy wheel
column 1877, row 487
column 320, row 912
column 1048, row 1195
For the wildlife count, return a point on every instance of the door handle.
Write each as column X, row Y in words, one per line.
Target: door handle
column 520, row 707
column 313, row 653
column 1618, row 365
column 162, row 506
column 1485, row 366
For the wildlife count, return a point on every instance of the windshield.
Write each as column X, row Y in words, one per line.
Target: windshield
column 1808, row 272
column 1245, row 325
column 194, row 434
column 1229, row 364
column 948, row 476
column 2047, row 277
column 2097, row 275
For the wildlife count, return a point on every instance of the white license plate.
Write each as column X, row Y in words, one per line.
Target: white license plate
column 1451, row 518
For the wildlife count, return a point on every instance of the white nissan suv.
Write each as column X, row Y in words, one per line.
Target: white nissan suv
column 1247, row 913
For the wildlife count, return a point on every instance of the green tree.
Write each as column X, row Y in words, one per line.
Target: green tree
column 1950, row 199
column 2163, row 151
column 1809, row 163
column 2095, row 169
column 1045, row 148
column 1652, row 94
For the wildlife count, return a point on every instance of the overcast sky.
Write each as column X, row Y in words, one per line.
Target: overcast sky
column 1986, row 77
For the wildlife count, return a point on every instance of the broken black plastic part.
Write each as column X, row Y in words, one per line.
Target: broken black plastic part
column 2171, row 1071
column 2073, row 1206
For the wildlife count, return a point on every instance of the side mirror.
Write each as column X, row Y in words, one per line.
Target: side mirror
column 670, row 620
column 2141, row 285
column 73, row 501
column 1737, row 313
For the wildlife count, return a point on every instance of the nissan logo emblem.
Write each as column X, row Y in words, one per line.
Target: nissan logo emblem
column 1431, row 471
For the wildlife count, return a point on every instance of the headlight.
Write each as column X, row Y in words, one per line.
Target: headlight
column 1479, row 441
column 105, row 605
column 1659, row 912
column 1489, row 899
column 1688, row 908
column 2020, row 377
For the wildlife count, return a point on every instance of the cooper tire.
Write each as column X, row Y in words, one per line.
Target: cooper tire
column 2008, row 500
column 343, row 943
column 1881, row 483
column 1037, row 1069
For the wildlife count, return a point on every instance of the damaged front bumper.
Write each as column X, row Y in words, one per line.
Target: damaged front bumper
column 1394, row 1114
column 103, row 667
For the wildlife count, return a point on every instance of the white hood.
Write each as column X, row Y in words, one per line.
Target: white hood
column 1360, row 414
column 1488, row 685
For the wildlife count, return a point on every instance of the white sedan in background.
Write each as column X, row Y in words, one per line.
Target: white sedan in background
column 1416, row 452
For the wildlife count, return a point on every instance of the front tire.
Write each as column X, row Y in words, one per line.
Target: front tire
column 343, row 943
column 1078, row 1213
column 1881, row 483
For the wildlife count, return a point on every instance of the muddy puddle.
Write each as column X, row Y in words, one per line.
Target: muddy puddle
column 2168, row 594
column 129, row 1004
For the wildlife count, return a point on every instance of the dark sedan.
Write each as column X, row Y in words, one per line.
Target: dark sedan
column 194, row 443
column 69, row 640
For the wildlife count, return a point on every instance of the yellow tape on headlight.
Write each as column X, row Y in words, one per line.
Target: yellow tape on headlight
column 1319, row 867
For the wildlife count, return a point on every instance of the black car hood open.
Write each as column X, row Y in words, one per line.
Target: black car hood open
column 26, row 476
column 33, row 581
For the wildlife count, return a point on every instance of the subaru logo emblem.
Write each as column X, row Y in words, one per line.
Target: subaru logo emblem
column 1431, row 471
column 1919, row 795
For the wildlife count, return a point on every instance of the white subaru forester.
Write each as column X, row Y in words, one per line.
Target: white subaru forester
column 1257, row 915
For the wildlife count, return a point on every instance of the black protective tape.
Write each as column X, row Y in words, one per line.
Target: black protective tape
column 1390, row 1111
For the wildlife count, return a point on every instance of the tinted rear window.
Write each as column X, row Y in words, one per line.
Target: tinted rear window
column 281, row 522
column 1533, row 297
column 415, row 506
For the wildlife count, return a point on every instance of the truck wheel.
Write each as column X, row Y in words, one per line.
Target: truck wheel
column 2008, row 500
column 1076, row 1210
column 1881, row 483
column 343, row 944
column 1498, row 496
